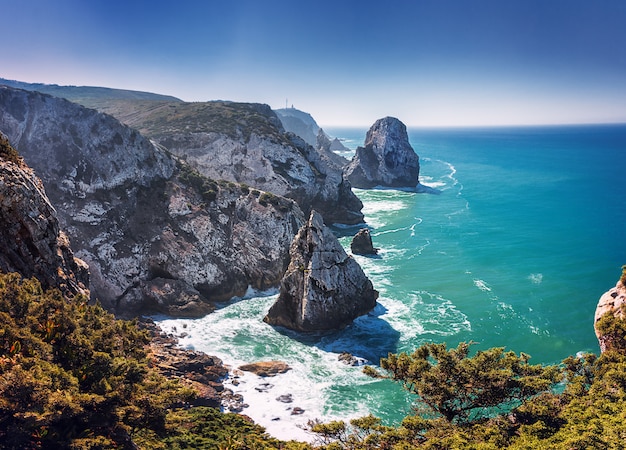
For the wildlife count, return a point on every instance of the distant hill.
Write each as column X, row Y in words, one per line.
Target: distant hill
column 100, row 98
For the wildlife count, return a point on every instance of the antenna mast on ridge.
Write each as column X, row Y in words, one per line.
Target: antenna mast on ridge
column 286, row 103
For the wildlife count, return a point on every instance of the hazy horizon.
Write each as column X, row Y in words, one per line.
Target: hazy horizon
column 428, row 63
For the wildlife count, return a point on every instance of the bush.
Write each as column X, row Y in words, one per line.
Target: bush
column 70, row 371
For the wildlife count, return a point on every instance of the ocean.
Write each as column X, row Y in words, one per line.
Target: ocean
column 526, row 231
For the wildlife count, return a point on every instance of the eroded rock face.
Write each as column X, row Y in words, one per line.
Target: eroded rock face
column 387, row 159
column 362, row 243
column 323, row 287
column 158, row 237
column 246, row 143
column 611, row 302
column 31, row 242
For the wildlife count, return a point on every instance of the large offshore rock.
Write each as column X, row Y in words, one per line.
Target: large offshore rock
column 323, row 287
column 386, row 160
column 157, row 235
column 611, row 302
column 31, row 241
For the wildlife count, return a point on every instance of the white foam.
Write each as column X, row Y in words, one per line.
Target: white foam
column 536, row 278
column 482, row 285
column 237, row 334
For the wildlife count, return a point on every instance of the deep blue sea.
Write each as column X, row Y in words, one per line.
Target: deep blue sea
column 526, row 233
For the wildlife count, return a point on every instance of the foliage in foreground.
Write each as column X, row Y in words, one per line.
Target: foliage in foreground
column 72, row 376
column 495, row 400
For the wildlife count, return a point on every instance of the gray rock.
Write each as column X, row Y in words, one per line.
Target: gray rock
column 323, row 287
column 152, row 230
column 387, row 159
column 31, row 241
column 246, row 143
column 362, row 243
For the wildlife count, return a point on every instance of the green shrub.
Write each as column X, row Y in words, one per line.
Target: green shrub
column 7, row 152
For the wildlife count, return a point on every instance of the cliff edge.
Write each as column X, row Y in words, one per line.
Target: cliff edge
column 31, row 242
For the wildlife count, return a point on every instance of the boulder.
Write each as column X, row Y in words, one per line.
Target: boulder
column 362, row 243
column 266, row 368
column 323, row 288
column 386, row 160
column 611, row 302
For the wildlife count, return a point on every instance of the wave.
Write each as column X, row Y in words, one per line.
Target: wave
column 535, row 278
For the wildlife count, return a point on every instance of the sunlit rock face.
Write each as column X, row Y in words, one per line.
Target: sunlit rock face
column 387, row 159
column 323, row 288
column 246, row 143
column 611, row 302
column 157, row 236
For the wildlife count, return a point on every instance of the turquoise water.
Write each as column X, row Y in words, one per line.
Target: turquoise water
column 525, row 235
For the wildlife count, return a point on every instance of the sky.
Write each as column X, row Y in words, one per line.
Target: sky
column 347, row 62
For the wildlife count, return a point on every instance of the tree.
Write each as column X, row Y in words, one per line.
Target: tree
column 463, row 389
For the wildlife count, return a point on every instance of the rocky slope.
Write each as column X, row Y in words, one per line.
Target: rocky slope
column 387, row 159
column 31, row 242
column 238, row 142
column 323, row 287
column 158, row 236
column 246, row 143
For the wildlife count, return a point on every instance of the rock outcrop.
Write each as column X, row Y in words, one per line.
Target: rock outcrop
column 246, row 143
column 31, row 241
column 299, row 123
column 266, row 368
column 157, row 235
column 611, row 302
column 362, row 243
column 387, row 159
column 323, row 287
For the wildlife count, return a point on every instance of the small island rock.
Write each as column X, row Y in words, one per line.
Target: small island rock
column 266, row 368
column 323, row 288
column 387, row 159
column 362, row 243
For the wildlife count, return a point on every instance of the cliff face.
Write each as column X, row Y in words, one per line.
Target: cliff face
column 612, row 302
column 323, row 287
column 246, row 143
column 387, row 159
column 158, row 236
column 31, row 242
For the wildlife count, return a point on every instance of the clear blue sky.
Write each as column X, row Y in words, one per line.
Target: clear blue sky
column 427, row 62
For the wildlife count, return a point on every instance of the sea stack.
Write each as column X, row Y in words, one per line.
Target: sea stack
column 362, row 243
column 323, row 288
column 611, row 302
column 387, row 159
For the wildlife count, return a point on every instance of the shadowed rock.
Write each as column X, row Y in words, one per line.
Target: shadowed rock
column 362, row 243
column 31, row 241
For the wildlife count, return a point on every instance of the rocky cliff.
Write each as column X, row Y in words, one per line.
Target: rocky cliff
column 611, row 302
column 246, row 143
column 238, row 142
column 387, row 159
column 323, row 287
column 31, row 242
column 157, row 235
